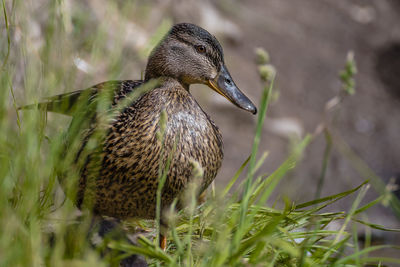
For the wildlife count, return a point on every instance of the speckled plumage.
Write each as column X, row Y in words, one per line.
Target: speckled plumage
column 127, row 181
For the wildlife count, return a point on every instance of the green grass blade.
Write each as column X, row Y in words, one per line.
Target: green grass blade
column 376, row 226
column 235, row 177
column 329, row 198
column 349, row 259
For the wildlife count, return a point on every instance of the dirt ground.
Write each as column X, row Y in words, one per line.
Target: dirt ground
column 308, row 42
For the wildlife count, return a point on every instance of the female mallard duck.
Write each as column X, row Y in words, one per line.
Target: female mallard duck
column 126, row 182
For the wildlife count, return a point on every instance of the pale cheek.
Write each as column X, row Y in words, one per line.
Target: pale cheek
column 213, row 74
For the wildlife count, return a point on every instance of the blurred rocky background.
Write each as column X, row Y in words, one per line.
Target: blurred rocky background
column 307, row 41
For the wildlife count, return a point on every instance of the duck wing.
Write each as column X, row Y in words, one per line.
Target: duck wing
column 111, row 92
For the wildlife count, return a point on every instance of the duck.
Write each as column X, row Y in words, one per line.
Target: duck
column 121, row 176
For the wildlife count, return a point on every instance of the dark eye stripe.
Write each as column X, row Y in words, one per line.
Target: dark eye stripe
column 215, row 58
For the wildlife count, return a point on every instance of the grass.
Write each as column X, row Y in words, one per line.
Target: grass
column 234, row 227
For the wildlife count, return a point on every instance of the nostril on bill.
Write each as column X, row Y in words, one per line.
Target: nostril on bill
column 228, row 81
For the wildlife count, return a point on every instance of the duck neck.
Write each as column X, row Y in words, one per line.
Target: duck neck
column 165, row 79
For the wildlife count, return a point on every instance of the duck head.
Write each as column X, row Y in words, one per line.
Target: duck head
column 192, row 55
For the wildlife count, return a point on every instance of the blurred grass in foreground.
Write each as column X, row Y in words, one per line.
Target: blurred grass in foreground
column 39, row 227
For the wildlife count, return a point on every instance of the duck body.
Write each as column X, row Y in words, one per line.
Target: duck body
column 120, row 176
column 127, row 182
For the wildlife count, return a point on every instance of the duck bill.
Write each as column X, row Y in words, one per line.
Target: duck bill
column 225, row 86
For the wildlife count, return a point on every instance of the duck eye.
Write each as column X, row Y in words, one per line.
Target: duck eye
column 201, row 49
